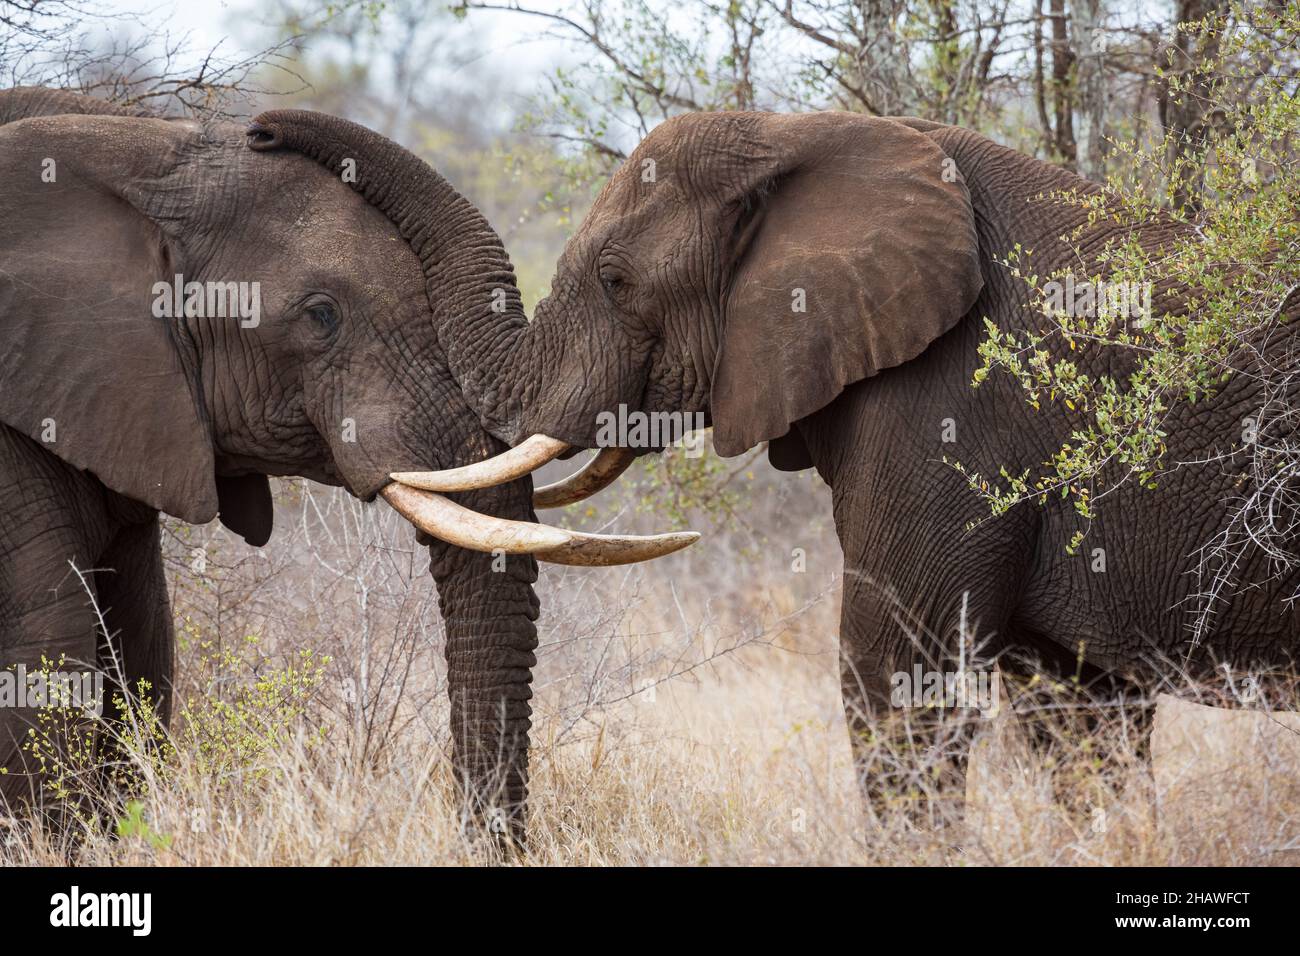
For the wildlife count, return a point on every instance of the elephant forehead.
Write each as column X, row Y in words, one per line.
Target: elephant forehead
column 698, row 153
column 310, row 219
column 632, row 211
column 310, row 202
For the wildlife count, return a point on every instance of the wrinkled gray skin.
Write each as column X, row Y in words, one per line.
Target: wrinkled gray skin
column 187, row 416
column 676, row 295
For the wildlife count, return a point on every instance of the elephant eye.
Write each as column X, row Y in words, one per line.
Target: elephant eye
column 612, row 282
column 325, row 315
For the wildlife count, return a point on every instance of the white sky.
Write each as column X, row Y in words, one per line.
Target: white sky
column 237, row 25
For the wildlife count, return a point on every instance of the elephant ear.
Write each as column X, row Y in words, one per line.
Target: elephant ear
column 86, row 368
column 854, row 249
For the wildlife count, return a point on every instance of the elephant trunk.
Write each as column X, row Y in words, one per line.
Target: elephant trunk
column 490, row 609
column 469, row 279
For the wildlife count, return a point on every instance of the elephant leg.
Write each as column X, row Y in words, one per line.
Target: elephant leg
column 136, row 649
column 909, row 755
column 67, row 642
column 1091, row 727
column 133, row 595
column 53, row 524
column 928, row 592
column 52, row 618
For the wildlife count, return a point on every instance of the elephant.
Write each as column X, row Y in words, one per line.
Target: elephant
column 186, row 309
column 819, row 282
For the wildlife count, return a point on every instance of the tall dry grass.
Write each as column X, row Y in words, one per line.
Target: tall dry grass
column 687, row 712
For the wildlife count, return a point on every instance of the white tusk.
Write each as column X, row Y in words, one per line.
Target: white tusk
column 526, row 457
column 598, row 473
column 455, row 524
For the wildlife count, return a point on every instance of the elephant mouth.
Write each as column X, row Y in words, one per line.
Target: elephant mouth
column 417, row 497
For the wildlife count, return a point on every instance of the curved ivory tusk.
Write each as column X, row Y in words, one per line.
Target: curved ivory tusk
column 526, row 457
column 597, row 474
column 444, row 519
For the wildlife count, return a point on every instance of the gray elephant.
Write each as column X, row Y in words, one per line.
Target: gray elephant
column 676, row 293
column 184, row 311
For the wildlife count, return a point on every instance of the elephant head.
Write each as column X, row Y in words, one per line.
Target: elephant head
column 747, row 267
column 186, row 308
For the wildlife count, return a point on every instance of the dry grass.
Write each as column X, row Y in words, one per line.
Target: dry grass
column 690, row 717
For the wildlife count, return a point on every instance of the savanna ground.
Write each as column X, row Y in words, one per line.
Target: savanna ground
column 687, row 712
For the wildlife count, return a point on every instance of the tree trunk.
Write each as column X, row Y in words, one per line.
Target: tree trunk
column 1184, row 113
column 1088, row 42
column 1062, row 84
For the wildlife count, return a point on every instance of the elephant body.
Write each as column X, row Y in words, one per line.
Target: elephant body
column 922, row 552
column 820, row 282
column 114, row 408
column 923, row 556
